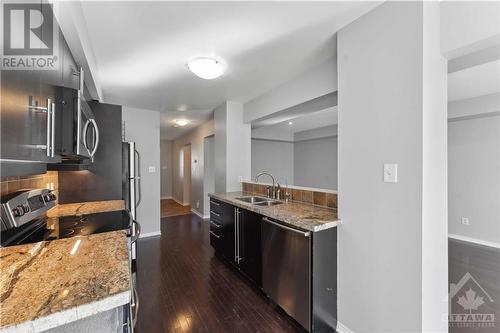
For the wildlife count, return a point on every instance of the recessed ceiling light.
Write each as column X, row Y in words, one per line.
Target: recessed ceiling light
column 290, row 123
column 181, row 122
column 206, row 68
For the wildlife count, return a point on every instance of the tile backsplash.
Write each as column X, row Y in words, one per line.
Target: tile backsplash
column 316, row 197
column 46, row 180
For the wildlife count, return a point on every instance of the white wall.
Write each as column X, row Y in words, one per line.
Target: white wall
column 232, row 147
column 275, row 157
column 381, row 75
column 315, row 163
column 143, row 127
column 196, row 139
column 468, row 26
column 209, row 172
column 166, row 173
column 474, row 178
column 314, row 83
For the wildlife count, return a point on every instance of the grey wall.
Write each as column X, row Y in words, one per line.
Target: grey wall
column 196, row 139
column 209, row 172
column 275, row 157
column 315, row 163
column 166, row 172
column 393, row 240
column 143, row 127
column 309, row 159
column 474, row 177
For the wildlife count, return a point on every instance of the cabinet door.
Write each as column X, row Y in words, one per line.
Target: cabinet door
column 250, row 260
column 228, row 246
column 222, row 223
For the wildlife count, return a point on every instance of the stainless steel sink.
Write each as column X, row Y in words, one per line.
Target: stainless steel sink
column 253, row 200
column 268, row 203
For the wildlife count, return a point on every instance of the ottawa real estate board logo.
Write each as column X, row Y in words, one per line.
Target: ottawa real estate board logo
column 29, row 37
column 470, row 306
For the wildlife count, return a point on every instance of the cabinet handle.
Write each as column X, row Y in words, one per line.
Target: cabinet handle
column 53, row 130
column 215, row 203
column 49, row 125
column 215, row 235
column 304, row 233
column 216, row 214
column 215, row 224
column 235, row 234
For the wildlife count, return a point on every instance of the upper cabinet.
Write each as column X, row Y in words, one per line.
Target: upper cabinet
column 31, row 98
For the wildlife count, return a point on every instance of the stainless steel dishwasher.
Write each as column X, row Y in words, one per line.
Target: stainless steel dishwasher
column 286, row 269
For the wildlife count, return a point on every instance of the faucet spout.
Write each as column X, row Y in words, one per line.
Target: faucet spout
column 273, row 194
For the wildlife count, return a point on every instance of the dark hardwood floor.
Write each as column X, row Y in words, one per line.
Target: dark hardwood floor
column 483, row 265
column 170, row 208
column 183, row 287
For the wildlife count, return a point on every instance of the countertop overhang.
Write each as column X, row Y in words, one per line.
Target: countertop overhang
column 47, row 284
column 296, row 214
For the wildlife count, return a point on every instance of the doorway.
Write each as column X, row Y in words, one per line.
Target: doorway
column 187, row 175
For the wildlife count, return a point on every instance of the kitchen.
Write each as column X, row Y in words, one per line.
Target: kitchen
column 211, row 167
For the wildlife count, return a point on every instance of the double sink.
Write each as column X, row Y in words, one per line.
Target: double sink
column 260, row 201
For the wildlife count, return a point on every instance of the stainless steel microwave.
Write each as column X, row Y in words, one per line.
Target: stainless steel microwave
column 77, row 132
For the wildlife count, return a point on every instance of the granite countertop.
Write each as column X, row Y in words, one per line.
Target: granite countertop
column 296, row 214
column 47, row 284
column 90, row 207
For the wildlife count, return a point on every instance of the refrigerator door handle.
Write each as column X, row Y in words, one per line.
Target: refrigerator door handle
column 138, row 178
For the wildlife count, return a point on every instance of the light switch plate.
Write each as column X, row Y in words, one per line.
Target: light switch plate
column 390, row 173
column 151, row 169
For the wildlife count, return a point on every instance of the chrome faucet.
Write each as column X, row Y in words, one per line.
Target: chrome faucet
column 273, row 191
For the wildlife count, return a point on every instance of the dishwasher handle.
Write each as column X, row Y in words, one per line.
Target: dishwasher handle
column 304, row 233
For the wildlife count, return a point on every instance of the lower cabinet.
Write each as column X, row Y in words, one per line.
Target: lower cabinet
column 235, row 234
column 250, row 249
column 296, row 269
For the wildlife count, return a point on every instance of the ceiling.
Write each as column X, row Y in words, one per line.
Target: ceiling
column 141, row 48
column 284, row 131
column 196, row 118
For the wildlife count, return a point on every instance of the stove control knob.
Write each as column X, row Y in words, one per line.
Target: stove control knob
column 26, row 208
column 18, row 211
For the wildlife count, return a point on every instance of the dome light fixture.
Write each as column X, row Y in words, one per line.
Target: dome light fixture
column 181, row 122
column 206, row 68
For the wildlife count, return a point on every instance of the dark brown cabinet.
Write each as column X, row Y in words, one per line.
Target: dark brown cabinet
column 235, row 234
column 29, row 107
column 250, row 250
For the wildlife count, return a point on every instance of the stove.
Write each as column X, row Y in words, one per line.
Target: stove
column 43, row 228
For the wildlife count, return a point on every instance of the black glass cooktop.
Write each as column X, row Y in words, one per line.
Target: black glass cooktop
column 67, row 226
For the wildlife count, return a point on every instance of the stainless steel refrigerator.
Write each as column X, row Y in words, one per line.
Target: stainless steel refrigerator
column 131, row 181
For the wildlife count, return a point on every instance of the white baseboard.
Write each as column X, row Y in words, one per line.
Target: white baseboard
column 165, row 198
column 180, row 203
column 150, row 234
column 341, row 328
column 474, row 240
column 194, row 211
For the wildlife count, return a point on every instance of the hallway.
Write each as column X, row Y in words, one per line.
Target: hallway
column 183, row 287
column 170, row 207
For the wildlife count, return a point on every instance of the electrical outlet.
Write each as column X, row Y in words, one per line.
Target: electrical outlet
column 151, row 169
column 465, row 221
column 198, row 204
column 240, row 179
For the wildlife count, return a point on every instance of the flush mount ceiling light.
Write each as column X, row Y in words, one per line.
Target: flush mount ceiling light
column 206, row 68
column 290, row 123
column 181, row 122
